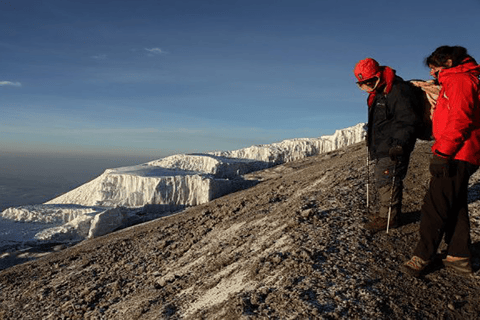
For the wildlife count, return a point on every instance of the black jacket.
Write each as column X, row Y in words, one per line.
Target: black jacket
column 392, row 119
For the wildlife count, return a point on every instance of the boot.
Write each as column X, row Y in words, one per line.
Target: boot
column 415, row 266
column 460, row 265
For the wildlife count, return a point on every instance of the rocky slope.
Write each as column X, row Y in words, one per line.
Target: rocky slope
column 291, row 247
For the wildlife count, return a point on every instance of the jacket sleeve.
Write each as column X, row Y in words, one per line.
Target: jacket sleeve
column 460, row 93
column 405, row 117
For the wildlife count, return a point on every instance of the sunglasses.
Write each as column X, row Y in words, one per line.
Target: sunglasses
column 369, row 84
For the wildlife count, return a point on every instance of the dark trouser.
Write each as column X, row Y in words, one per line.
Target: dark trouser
column 385, row 170
column 445, row 212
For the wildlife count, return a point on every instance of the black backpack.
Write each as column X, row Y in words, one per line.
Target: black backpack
column 425, row 108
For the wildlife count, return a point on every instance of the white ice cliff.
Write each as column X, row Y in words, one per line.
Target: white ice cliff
column 294, row 149
column 115, row 199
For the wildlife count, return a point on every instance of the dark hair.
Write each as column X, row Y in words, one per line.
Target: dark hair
column 442, row 54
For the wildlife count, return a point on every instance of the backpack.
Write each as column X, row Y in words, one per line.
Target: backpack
column 428, row 93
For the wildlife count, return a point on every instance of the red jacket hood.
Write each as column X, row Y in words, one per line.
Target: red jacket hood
column 468, row 66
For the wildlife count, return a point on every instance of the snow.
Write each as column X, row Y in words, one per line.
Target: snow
column 118, row 197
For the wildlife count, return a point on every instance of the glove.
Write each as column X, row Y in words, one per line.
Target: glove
column 441, row 167
column 395, row 153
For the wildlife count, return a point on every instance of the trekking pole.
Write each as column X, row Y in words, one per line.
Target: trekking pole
column 368, row 182
column 391, row 195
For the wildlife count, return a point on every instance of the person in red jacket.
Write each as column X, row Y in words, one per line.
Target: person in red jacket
column 456, row 156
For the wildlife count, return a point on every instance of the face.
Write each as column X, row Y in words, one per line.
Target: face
column 435, row 70
column 368, row 85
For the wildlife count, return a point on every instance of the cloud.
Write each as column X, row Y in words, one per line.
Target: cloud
column 100, row 57
column 154, row 51
column 9, row 83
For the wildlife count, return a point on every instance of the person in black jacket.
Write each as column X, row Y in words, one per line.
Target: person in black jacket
column 391, row 136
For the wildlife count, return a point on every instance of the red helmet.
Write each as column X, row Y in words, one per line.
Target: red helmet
column 367, row 69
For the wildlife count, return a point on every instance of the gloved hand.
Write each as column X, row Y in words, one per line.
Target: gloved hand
column 441, row 167
column 395, row 153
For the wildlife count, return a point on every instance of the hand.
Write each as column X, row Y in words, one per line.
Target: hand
column 441, row 167
column 395, row 153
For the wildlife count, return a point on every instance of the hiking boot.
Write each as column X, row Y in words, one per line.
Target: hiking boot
column 377, row 224
column 458, row 265
column 415, row 266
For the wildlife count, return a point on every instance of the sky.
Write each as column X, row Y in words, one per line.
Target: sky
column 156, row 78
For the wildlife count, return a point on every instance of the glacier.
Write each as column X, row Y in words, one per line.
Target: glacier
column 125, row 196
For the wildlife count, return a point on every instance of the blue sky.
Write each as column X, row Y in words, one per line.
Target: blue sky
column 166, row 77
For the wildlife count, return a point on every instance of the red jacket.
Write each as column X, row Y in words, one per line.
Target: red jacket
column 456, row 119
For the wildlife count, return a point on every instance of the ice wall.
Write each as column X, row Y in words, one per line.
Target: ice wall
column 139, row 185
column 294, row 149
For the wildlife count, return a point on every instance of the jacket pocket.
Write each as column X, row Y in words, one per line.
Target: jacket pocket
column 381, row 112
